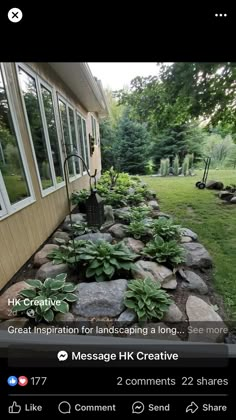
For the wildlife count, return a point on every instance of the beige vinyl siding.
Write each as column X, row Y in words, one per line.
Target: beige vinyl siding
column 23, row 232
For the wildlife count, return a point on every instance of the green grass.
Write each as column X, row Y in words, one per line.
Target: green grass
column 215, row 223
column 16, row 188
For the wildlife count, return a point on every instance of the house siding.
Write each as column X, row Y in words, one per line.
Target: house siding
column 23, row 232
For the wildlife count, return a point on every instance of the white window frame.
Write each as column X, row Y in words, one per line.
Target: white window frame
column 7, row 207
column 38, row 80
column 43, row 83
column 85, row 138
column 69, row 105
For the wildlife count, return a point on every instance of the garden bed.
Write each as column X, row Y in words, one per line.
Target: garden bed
column 139, row 268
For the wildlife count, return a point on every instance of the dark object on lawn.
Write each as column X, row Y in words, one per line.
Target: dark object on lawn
column 202, row 184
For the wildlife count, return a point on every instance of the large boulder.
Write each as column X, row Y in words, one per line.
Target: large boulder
column 225, row 195
column 155, row 272
column 7, row 298
column 40, row 257
column 214, row 185
column 134, row 245
column 189, row 233
column 100, row 299
column 173, row 314
column 206, row 325
column 197, row 256
column 51, row 270
column 95, row 237
column 118, row 231
column 194, row 283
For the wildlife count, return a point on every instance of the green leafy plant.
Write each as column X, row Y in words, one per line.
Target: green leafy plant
column 115, row 199
column 139, row 213
column 43, row 300
column 176, row 165
column 147, row 299
column 170, row 252
column 139, row 229
column 67, row 254
column 134, row 199
column 103, row 259
column 79, row 197
column 166, row 229
column 81, row 229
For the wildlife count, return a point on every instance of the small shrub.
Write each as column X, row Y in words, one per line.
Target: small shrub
column 134, row 199
column 46, row 299
column 166, row 229
column 103, row 259
column 170, row 253
column 139, row 213
column 167, row 167
column 176, row 165
column 163, row 167
column 185, row 166
column 147, row 299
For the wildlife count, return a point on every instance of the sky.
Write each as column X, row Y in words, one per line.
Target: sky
column 118, row 75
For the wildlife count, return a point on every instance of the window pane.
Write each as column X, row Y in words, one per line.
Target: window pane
column 65, row 128
column 85, row 143
column 52, row 132
column 11, row 164
column 73, row 135
column 30, row 95
column 80, row 131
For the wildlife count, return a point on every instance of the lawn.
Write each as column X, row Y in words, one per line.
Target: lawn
column 214, row 222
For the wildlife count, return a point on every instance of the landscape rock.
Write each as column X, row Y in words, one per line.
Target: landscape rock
column 95, row 237
column 76, row 218
column 127, row 317
column 118, row 231
column 202, row 317
column 19, row 322
column 214, row 185
column 225, row 195
column 60, row 235
column 109, row 217
column 122, row 213
column 134, row 245
column 153, row 194
column 173, row 314
column 154, row 205
column 100, row 299
column 131, row 191
column 40, row 257
column 233, row 200
column 194, row 283
column 161, row 214
column 185, row 239
column 11, row 293
column 51, row 270
column 155, row 272
column 197, row 256
column 189, row 233
column 64, row 318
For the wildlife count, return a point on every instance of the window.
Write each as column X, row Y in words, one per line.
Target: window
column 52, row 132
column 39, row 109
column 70, row 136
column 94, row 129
column 15, row 188
column 82, row 132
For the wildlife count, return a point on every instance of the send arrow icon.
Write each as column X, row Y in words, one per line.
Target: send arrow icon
column 193, row 407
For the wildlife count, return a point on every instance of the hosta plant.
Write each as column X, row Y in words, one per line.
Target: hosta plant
column 139, row 228
column 103, row 260
column 139, row 213
column 79, row 197
column 147, row 299
column 166, row 229
column 43, row 300
column 170, row 253
column 67, row 254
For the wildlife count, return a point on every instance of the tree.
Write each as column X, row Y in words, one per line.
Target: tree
column 108, row 144
column 133, row 140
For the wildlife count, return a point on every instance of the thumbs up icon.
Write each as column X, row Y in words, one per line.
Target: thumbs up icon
column 14, row 408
